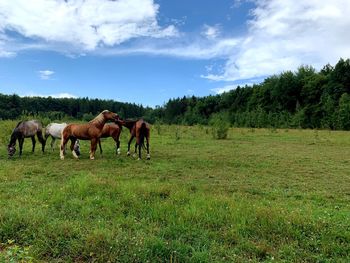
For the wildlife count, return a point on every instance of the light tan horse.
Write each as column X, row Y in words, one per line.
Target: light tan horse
column 141, row 130
column 88, row 131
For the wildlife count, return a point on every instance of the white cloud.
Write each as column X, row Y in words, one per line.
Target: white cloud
column 85, row 24
column 56, row 95
column 45, row 74
column 227, row 88
column 282, row 35
column 199, row 49
column 211, row 32
column 286, row 34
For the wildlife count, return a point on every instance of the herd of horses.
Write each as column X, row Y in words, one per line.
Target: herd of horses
column 93, row 130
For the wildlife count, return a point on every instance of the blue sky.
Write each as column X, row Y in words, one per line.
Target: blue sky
column 147, row 51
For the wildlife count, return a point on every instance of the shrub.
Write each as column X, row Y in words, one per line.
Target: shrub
column 88, row 116
column 219, row 124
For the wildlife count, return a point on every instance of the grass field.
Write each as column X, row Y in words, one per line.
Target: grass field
column 261, row 195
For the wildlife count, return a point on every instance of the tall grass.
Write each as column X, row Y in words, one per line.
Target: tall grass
column 258, row 196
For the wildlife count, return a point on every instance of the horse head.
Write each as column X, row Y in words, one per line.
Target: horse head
column 77, row 147
column 11, row 149
column 108, row 115
column 120, row 122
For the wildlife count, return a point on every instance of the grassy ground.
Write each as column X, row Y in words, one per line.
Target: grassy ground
column 261, row 195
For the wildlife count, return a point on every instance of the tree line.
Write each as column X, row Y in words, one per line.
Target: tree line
column 305, row 98
column 15, row 107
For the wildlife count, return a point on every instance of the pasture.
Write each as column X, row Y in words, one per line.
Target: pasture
column 262, row 195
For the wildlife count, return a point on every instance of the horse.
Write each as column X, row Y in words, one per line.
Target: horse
column 88, row 131
column 141, row 130
column 111, row 130
column 54, row 130
column 25, row 129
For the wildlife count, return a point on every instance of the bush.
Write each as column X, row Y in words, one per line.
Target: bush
column 88, row 116
column 220, row 125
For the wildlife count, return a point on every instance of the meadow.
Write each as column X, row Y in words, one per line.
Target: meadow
column 262, row 195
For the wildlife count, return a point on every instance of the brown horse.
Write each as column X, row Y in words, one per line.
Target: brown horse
column 89, row 131
column 111, row 130
column 25, row 129
column 141, row 130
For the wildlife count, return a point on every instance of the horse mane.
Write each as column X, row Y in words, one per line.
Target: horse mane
column 129, row 123
column 18, row 124
column 14, row 135
column 99, row 118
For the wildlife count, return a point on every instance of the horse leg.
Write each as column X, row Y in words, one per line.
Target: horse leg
column 118, row 146
column 140, row 150
column 33, row 143
column 73, row 140
column 147, row 146
column 41, row 139
column 53, row 143
column 20, row 142
column 130, row 140
column 47, row 135
column 64, row 141
column 99, row 145
column 134, row 155
column 93, row 148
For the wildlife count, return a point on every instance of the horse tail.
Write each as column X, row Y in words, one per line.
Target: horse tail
column 47, row 130
column 143, row 133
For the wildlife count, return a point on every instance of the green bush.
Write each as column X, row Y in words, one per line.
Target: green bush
column 88, row 116
column 220, row 124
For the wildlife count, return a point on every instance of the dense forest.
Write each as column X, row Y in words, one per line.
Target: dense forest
column 306, row 98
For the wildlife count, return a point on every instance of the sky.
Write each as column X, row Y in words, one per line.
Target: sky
column 148, row 51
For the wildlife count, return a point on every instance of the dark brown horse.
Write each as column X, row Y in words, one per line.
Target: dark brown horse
column 111, row 130
column 141, row 130
column 88, row 131
column 26, row 129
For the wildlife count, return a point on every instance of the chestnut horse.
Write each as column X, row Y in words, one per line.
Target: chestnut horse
column 141, row 130
column 55, row 130
column 88, row 131
column 111, row 130
column 25, row 129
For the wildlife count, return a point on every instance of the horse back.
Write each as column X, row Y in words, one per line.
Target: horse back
column 29, row 128
column 110, row 130
column 84, row 131
column 142, row 127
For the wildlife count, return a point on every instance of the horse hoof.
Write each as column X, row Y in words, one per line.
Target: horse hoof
column 62, row 157
column 92, row 158
column 128, row 153
column 148, row 157
column 138, row 159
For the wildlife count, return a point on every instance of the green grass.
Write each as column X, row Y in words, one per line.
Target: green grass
column 261, row 195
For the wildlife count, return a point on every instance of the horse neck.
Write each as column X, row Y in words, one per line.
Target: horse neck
column 99, row 121
column 14, row 136
column 129, row 124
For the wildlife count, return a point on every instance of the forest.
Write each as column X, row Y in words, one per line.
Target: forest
column 306, row 98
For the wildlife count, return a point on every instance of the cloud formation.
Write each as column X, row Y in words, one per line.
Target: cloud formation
column 286, row 34
column 45, row 74
column 85, row 24
column 56, row 95
column 281, row 35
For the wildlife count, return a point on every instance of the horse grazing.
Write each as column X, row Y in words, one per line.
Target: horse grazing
column 25, row 129
column 54, row 130
column 141, row 130
column 88, row 131
column 111, row 130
